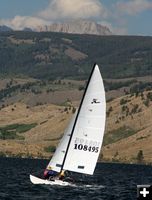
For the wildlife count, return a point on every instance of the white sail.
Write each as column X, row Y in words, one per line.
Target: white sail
column 57, row 159
column 87, row 136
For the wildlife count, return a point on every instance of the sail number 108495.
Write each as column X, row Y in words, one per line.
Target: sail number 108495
column 86, row 145
column 86, row 148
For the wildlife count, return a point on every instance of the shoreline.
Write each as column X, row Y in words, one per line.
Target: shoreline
column 99, row 162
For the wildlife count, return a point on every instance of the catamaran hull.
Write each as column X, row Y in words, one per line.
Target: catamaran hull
column 36, row 180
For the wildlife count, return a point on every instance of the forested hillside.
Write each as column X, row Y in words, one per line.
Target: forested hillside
column 58, row 55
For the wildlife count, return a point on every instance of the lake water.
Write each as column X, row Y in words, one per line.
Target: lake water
column 110, row 182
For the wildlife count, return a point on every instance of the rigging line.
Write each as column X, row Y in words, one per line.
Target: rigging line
column 77, row 117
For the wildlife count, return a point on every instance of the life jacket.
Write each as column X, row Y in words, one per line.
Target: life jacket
column 48, row 173
column 52, row 173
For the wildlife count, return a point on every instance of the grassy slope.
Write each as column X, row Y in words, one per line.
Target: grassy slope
column 51, row 121
column 137, row 123
column 135, row 130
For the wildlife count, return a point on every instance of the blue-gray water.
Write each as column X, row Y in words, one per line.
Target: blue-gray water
column 110, row 182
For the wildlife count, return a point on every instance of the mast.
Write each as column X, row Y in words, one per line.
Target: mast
column 77, row 117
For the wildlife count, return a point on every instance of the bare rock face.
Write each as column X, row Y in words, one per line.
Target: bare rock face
column 77, row 27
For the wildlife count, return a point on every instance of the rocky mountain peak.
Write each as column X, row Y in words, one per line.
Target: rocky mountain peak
column 77, row 27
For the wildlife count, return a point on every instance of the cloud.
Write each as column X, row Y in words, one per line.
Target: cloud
column 73, row 9
column 60, row 10
column 20, row 22
column 133, row 7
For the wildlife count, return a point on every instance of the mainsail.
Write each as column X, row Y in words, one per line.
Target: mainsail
column 57, row 159
column 80, row 146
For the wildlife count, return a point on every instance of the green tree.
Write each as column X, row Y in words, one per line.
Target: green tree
column 123, row 101
column 73, row 110
column 140, row 156
column 146, row 102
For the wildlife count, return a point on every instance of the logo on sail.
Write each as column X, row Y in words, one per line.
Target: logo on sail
column 95, row 101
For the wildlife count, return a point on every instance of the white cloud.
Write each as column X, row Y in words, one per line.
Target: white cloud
column 20, row 22
column 73, row 9
column 133, row 7
column 59, row 10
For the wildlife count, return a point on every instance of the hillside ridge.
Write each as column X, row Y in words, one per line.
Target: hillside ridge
column 49, row 55
column 128, row 129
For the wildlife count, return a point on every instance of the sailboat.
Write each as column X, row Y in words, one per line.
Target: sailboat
column 80, row 146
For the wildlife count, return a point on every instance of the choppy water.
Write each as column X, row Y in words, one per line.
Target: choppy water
column 110, row 182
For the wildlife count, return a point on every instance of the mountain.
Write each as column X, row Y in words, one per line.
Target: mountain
column 4, row 28
column 76, row 27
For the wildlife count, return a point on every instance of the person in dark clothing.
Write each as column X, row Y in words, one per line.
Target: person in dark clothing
column 49, row 174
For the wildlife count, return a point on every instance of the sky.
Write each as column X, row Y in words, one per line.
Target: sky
column 123, row 17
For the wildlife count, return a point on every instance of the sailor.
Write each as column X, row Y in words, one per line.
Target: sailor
column 62, row 175
column 49, row 173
